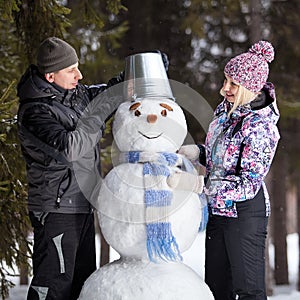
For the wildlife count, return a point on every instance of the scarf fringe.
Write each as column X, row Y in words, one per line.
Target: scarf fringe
column 161, row 243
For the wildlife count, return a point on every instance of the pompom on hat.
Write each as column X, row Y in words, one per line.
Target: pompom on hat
column 55, row 54
column 251, row 69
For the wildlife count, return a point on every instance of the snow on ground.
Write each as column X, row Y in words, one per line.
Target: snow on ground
column 194, row 257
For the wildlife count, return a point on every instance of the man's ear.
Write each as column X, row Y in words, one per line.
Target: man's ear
column 50, row 77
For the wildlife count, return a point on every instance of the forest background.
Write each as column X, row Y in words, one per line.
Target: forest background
column 199, row 36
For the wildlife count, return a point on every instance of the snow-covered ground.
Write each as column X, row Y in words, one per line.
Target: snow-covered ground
column 194, row 257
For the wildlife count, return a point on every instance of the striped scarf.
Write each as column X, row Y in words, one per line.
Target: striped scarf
column 158, row 199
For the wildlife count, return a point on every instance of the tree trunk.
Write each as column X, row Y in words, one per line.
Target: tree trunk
column 297, row 183
column 24, row 275
column 269, row 275
column 24, row 267
column 256, row 21
column 278, row 201
column 269, row 272
column 104, row 258
column 298, row 226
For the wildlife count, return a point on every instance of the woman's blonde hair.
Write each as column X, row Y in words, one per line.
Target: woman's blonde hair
column 242, row 97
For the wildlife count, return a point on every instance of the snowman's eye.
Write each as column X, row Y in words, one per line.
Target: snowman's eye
column 164, row 113
column 134, row 106
column 137, row 113
column 166, row 106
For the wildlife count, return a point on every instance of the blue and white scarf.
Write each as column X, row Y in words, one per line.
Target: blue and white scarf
column 158, row 199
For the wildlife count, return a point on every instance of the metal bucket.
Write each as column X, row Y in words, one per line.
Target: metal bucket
column 146, row 77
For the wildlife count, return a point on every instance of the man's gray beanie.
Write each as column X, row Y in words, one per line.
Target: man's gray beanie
column 55, row 54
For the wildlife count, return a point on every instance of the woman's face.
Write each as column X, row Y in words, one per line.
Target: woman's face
column 230, row 88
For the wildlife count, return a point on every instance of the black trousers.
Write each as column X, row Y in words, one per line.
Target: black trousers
column 63, row 255
column 235, row 252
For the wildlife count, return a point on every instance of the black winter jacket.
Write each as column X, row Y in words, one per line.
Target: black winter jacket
column 59, row 131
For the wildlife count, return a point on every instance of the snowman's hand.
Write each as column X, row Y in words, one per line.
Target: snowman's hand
column 186, row 181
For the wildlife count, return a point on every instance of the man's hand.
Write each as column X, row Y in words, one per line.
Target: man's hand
column 117, row 79
column 164, row 58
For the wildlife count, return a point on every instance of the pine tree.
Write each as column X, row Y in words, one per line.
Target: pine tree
column 24, row 24
column 14, row 225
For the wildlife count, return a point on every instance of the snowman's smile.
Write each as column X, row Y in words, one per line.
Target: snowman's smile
column 150, row 137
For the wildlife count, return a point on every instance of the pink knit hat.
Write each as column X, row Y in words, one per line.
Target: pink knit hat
column 251, row 69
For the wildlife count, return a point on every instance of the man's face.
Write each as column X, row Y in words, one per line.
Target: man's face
column 67, row 78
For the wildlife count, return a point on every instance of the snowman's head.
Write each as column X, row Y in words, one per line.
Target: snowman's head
column 149, row 124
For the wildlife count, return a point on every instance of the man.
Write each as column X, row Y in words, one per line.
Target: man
column 59, row 146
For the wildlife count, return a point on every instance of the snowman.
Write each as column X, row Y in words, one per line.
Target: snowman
column 148, row 206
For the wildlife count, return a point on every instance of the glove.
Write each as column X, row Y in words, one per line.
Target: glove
column 164, row 58
column 117, row 79
column 202, row 155
column 193, row 153
column 186, row 181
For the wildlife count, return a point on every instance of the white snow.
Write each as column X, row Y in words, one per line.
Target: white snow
column 136, row 279
column 194, row 257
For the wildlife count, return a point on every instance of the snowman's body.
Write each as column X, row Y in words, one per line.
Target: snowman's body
column 124, row 211
column 134, row 279
column 150, row 125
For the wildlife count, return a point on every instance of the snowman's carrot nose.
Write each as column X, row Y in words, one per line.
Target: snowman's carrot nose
column 151, row 118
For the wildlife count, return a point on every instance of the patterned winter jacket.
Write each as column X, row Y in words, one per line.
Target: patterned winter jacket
column 239, row 152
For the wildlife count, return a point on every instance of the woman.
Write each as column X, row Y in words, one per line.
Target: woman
column 240, row 146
